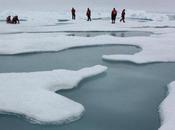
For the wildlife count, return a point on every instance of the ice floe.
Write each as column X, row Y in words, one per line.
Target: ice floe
column 167, row 109
column 33, row 94
column 154, row 49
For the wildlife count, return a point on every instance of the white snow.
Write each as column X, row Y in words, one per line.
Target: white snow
column 167, row 109
column 146, row 15
column 155, row 49
column 33, row 94
column 159, row 47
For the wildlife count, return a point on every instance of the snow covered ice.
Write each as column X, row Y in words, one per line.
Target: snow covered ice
column 43, row 32
column 33, row 94
column 167, row 109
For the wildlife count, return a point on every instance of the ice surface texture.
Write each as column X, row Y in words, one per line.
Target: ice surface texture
column 167, row 109
column 33, row 94
column 27, row 93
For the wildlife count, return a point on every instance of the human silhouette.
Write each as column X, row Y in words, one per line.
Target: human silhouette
column 73, row 11
column 88, row 14
column 8, row 19
column 113, row 15
column 15, row 20
column 123, row 16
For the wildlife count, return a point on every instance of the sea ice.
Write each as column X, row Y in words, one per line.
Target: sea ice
column 27, row 93
column 167, row 109
column 33, row 94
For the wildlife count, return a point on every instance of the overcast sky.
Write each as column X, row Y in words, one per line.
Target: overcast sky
column 152, row 5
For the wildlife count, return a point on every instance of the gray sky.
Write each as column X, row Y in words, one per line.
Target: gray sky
column 152, row 5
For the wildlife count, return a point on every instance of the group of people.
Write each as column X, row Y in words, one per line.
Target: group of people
column 15, row 19
column 113, row 15
column 12, row 20
column 88, row 14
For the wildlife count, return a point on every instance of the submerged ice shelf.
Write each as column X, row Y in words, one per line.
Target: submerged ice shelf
column 19, row 91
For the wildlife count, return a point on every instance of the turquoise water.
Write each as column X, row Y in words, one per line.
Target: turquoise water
column 126, row 97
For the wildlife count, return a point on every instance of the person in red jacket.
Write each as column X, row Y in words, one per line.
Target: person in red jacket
column 73, row 11
column 123, row 16
column 88, row 14
column 113, row 15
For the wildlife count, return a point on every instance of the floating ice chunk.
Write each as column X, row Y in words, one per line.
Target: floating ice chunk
column 167, row 109
column 33, row 94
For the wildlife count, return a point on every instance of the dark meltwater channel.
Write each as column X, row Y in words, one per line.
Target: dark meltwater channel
column 126, row 97
column 111, row 33
column 87, row 33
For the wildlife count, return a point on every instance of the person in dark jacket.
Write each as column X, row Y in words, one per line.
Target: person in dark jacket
column 88, row 14
column 8, row 19
column 123, row 16
column 113, row 15
column 73, row 11
column 15, row 20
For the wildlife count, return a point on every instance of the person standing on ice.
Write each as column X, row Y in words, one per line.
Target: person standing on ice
column 88, row 14
column 73, row 13
column 123, row 16
column 113, row 15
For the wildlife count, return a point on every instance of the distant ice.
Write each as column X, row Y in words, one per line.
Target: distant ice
column 33, row 94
